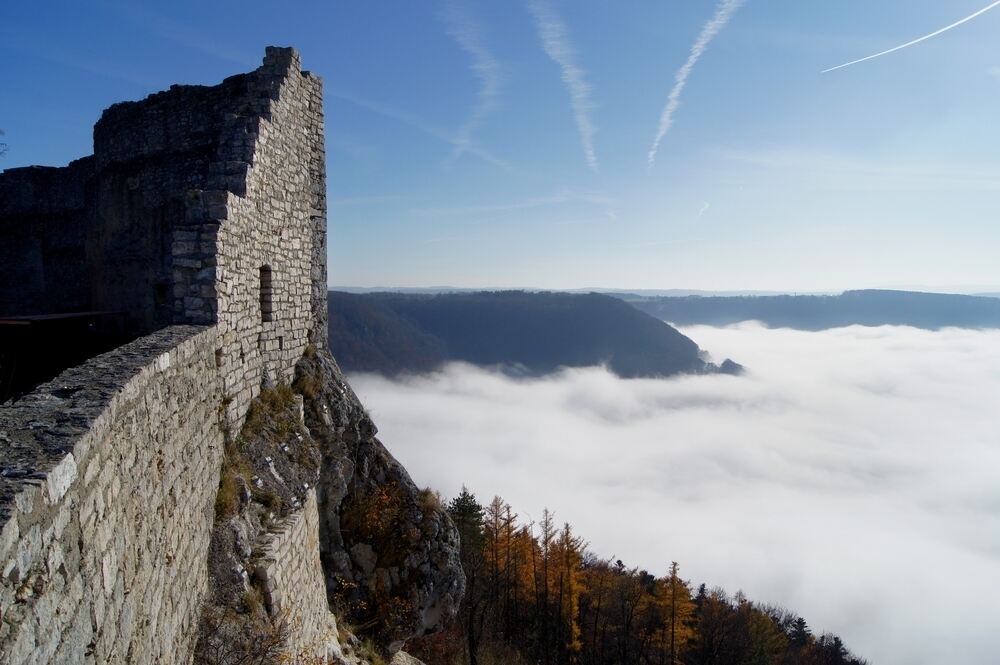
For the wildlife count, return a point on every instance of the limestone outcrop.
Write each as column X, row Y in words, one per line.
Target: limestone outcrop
column 390, row 551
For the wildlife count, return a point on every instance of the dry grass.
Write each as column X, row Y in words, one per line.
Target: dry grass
column 234, row 637
column 234, row 469
column 308, row 385
column 371, row 653
column 253, row 601
column 431, row 502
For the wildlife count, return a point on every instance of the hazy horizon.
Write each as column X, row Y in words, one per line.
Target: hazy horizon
column 549, row 144
column 971, row 290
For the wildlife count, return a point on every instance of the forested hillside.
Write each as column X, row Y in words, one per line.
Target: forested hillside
column 533, row 333
column 931, row 311
column 534, row 594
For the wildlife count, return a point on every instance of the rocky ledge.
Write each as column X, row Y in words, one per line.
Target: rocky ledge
column 389, row 552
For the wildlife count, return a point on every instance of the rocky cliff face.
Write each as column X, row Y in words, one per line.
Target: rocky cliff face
column 307, row 464
column 389, row 549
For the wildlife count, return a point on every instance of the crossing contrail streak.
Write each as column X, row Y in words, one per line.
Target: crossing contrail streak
column 723, row 13
column 467, row 33
column 555, row 40
column 917, row 40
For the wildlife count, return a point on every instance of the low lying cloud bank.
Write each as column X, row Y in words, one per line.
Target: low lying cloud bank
column 852, row 475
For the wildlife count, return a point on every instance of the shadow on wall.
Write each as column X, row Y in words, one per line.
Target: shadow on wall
column 34, row 349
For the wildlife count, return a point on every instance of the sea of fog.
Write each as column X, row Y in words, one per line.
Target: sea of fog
column 852, row 475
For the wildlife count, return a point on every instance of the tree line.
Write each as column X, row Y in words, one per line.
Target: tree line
column 535, row 594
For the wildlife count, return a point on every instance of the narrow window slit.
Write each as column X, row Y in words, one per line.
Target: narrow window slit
column 266, row 291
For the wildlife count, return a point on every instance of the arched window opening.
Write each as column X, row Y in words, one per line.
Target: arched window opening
column 266, row 291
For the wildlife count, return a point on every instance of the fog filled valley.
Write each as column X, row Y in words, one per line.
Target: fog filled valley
column 849, row 475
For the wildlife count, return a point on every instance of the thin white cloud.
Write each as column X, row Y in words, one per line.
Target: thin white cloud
column 420, row 125
column 833, row 171
column 565, row 196
column 361, row 200
column 467, row 33
column 917, row 40
column 362, row 154
column 869, row 451
column 723, row 13
column 198, row 36
column 85, row 62
column 704, row 209
column 555, row 40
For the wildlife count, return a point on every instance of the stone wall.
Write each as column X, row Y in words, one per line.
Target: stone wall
column 109, row 479
column 202, row 217
column 44, row 220
column 289, row 570
column 108, row 473
column 269, row 222
column 190, row 192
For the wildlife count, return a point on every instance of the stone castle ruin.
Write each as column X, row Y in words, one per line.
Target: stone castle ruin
column 154, row 295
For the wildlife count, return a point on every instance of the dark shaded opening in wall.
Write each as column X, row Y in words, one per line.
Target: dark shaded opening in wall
column 266, row 291
column 160, row 294
column 36, row 348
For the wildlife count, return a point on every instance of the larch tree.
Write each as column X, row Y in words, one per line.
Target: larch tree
column 678, row 614
column 568, row 557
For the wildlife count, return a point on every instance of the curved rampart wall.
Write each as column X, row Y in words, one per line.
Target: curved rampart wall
column 108, row 473
column 291, row 574
column 109, row 481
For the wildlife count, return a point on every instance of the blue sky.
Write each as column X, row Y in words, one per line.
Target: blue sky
column 506, row 144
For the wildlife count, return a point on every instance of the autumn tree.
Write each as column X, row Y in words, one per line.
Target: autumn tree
column 567, row 557
column 627, row 596
column 534, row 594
column 678, row 610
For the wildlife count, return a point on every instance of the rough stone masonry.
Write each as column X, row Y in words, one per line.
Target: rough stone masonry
column 201, row 219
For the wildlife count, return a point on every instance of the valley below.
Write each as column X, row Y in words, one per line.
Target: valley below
column 850, row 474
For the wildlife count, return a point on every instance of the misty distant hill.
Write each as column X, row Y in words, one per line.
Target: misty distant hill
column 535, row 333
column 931, row 311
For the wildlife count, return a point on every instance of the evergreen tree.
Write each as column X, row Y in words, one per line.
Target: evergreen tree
column 467, row 514
column 800, row 636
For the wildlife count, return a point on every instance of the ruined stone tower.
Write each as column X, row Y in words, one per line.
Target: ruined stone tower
column 202, row 205
column 197, row 230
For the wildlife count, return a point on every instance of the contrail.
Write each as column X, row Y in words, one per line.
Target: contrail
column 468, row 35
column 917, row 40
column 723, row 12
column 555, row 40
column 418, row 124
